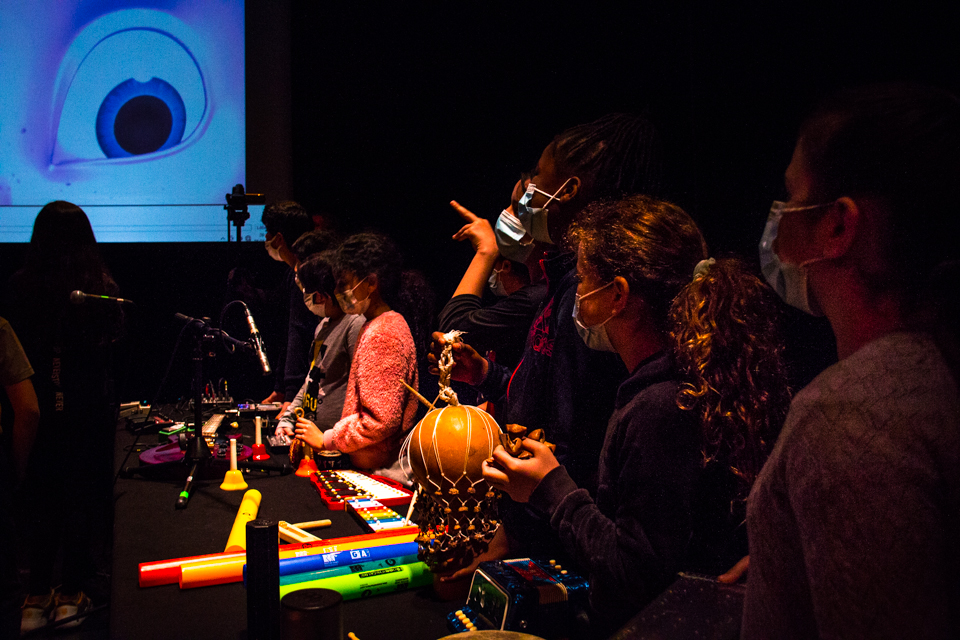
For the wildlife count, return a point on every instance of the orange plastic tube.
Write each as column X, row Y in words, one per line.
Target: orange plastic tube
column 161, row 572
column 211, row 571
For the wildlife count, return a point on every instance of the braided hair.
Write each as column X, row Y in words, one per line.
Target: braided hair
column 618, row 154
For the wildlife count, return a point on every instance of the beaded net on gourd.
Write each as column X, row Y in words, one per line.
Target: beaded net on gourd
column 457, row 508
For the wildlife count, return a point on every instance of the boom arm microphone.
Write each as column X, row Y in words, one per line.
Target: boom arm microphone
column 78, row 297
column 201, row 326
column 257, row 341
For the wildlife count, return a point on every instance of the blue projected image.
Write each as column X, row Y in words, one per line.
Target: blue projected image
column 140, row 117
column 136, row 115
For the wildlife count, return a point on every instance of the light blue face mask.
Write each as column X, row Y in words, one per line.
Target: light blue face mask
column 534, row 219
column 594, row 336
column 513, row 241
column 787, row 279
column 496, row 284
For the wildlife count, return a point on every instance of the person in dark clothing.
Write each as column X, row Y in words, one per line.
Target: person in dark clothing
column 16, row 442
column 500, row 327
column 69, row 346
column 285, row 222
column 560, row 385
column 693, row 423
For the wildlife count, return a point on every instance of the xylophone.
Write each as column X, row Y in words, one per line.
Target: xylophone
column 375, row 516
column 338, row 486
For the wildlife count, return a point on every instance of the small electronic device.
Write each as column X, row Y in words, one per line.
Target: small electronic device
column 269, row 408
column 174, row 429
column 337, row 486
column 153, row 424
column 539, row 597
column 134, row 411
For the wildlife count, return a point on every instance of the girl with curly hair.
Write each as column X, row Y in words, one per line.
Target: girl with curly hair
column 397, row 307
column 693, row 422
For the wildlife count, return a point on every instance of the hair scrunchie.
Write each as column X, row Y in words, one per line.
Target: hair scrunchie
column 702, row 266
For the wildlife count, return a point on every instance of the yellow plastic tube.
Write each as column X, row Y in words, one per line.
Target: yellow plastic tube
column 237, row 541
column 204, row 572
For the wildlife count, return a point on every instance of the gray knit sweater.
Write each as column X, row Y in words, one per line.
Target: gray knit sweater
column 853, row 522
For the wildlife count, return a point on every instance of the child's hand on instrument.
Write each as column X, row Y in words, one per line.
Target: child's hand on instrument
column 519, row 478
column 309, row 433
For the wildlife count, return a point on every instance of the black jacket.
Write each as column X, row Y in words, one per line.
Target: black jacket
column 562, row 387
column 656, row 510
column 501, row 327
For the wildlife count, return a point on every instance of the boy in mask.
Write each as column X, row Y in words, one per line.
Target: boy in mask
column 324, row 388
column 500, row 327
column 285, row 222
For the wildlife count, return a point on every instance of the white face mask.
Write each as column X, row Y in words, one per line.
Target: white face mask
column 594, row 336
column 534, row 219
column 319, row 310
column 350, row 304
column 496, row 284
column 787, row 279
column 510, row 238
column 273, row 250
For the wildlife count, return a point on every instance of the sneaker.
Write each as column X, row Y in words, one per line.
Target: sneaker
column 35, row 612
column 69, row 606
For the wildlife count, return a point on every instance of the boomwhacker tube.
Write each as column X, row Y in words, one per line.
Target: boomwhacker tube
column 206, row 573
column 237, row 541
column 342, row 558
column 370, row 583
column 161, row 572
column 296, row 578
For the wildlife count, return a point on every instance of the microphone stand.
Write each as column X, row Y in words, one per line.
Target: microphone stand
column 196, row 452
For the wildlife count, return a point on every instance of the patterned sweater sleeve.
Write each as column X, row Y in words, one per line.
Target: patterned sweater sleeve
column 381, row 361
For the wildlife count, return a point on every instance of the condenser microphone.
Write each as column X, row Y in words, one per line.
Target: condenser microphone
column 257, row 341
column 78, row 297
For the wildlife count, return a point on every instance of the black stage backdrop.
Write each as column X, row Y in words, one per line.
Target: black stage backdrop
column 378, row 114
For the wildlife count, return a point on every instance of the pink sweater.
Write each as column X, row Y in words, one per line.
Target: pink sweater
column 378, row 410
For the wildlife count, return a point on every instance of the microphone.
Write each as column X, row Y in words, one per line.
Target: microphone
column 78, row 297
column 257, row 341
column 201, row 325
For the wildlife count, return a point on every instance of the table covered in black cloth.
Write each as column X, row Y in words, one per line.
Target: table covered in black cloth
column 148, row 528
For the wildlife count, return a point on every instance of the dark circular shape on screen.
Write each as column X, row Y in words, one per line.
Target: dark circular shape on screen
column 140, row 117
column 143, row 125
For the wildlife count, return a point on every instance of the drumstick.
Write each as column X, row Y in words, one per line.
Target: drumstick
column 417, row 394
column 413, row 501
column 313, row 524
